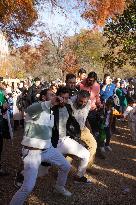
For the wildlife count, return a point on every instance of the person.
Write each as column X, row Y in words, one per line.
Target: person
column 37, row 147
column 3, row 108
column 122, row 93
column 71, row 84
column 17, row 114
column 108, row 122
column 34, row 91
column 90, row 84
column 81, row 75
column 53, row 87
column 130, row 113
column 81, row 106
column 107, row 88
column 45, row 95
column 67, row 145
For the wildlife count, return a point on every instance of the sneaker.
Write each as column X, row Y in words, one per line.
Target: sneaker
column 19, row 178
column 82, row 180
column 62, row 190
column 100, row 155
column 102, row 149
column 108, row 148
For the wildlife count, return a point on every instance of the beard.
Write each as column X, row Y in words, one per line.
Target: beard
column 80, row 106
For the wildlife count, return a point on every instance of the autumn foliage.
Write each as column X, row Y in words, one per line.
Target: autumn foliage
column 100, row 10
column 70, row 63
column 17, row 16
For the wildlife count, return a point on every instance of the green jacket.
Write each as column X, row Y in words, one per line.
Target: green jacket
column 122, row 97
column 38, row 126
column 2, row 98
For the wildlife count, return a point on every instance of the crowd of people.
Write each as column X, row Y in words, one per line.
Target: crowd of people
column 76, row 117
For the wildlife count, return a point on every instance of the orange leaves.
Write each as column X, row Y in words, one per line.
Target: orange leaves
column 17, row 16
column 70, row 63
column 100, row 10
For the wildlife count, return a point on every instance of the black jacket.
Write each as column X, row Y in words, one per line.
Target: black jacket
column 72, row 126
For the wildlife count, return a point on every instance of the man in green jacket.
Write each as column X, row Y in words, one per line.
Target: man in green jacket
column 37, row 148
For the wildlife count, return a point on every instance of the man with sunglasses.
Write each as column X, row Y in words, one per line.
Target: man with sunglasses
column 90, row 84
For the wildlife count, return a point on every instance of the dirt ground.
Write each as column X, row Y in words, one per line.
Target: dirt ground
column 114, row 182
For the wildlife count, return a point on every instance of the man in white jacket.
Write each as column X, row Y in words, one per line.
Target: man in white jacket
column 37, row 148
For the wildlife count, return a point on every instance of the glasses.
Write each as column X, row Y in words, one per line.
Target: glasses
column 91, row 80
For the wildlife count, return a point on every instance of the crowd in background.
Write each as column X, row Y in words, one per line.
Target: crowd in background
column 94, row 104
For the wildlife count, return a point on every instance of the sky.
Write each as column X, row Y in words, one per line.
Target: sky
column 67, row 22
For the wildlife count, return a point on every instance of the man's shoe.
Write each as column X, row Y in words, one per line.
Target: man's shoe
column 108, row 148
column 62, row 190
column 82, row 180
column 100, row 155
column 18, row 181
column 102, row 149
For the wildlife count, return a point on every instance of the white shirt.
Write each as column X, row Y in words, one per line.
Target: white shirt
column 63, row 117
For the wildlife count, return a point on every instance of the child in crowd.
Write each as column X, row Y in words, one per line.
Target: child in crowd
column 108, row 122
column 105, row 122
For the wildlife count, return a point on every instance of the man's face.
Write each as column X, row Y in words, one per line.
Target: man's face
column 90, row 81
column 50, row 96
column 82, row 102
column 37, row 83
column 82, row 76
column 71, row 83
column 65, row 98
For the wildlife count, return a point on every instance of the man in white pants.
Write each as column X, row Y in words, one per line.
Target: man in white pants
column 66, row 145
column 37, row 148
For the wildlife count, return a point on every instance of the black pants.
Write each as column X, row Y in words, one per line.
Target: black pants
column 108, row 136
column 93, row 120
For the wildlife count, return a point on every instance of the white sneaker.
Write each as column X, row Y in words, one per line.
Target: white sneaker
column 62, row 190
column 102, row 149
column 109, row 148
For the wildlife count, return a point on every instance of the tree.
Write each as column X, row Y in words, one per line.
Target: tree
column 17, row 16
column 99, row 11
column 88, row 48
column 120, row 34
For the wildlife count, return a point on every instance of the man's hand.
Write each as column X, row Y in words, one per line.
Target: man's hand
column 56, row 100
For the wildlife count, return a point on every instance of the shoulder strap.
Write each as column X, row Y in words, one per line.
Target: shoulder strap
column 69, row 109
